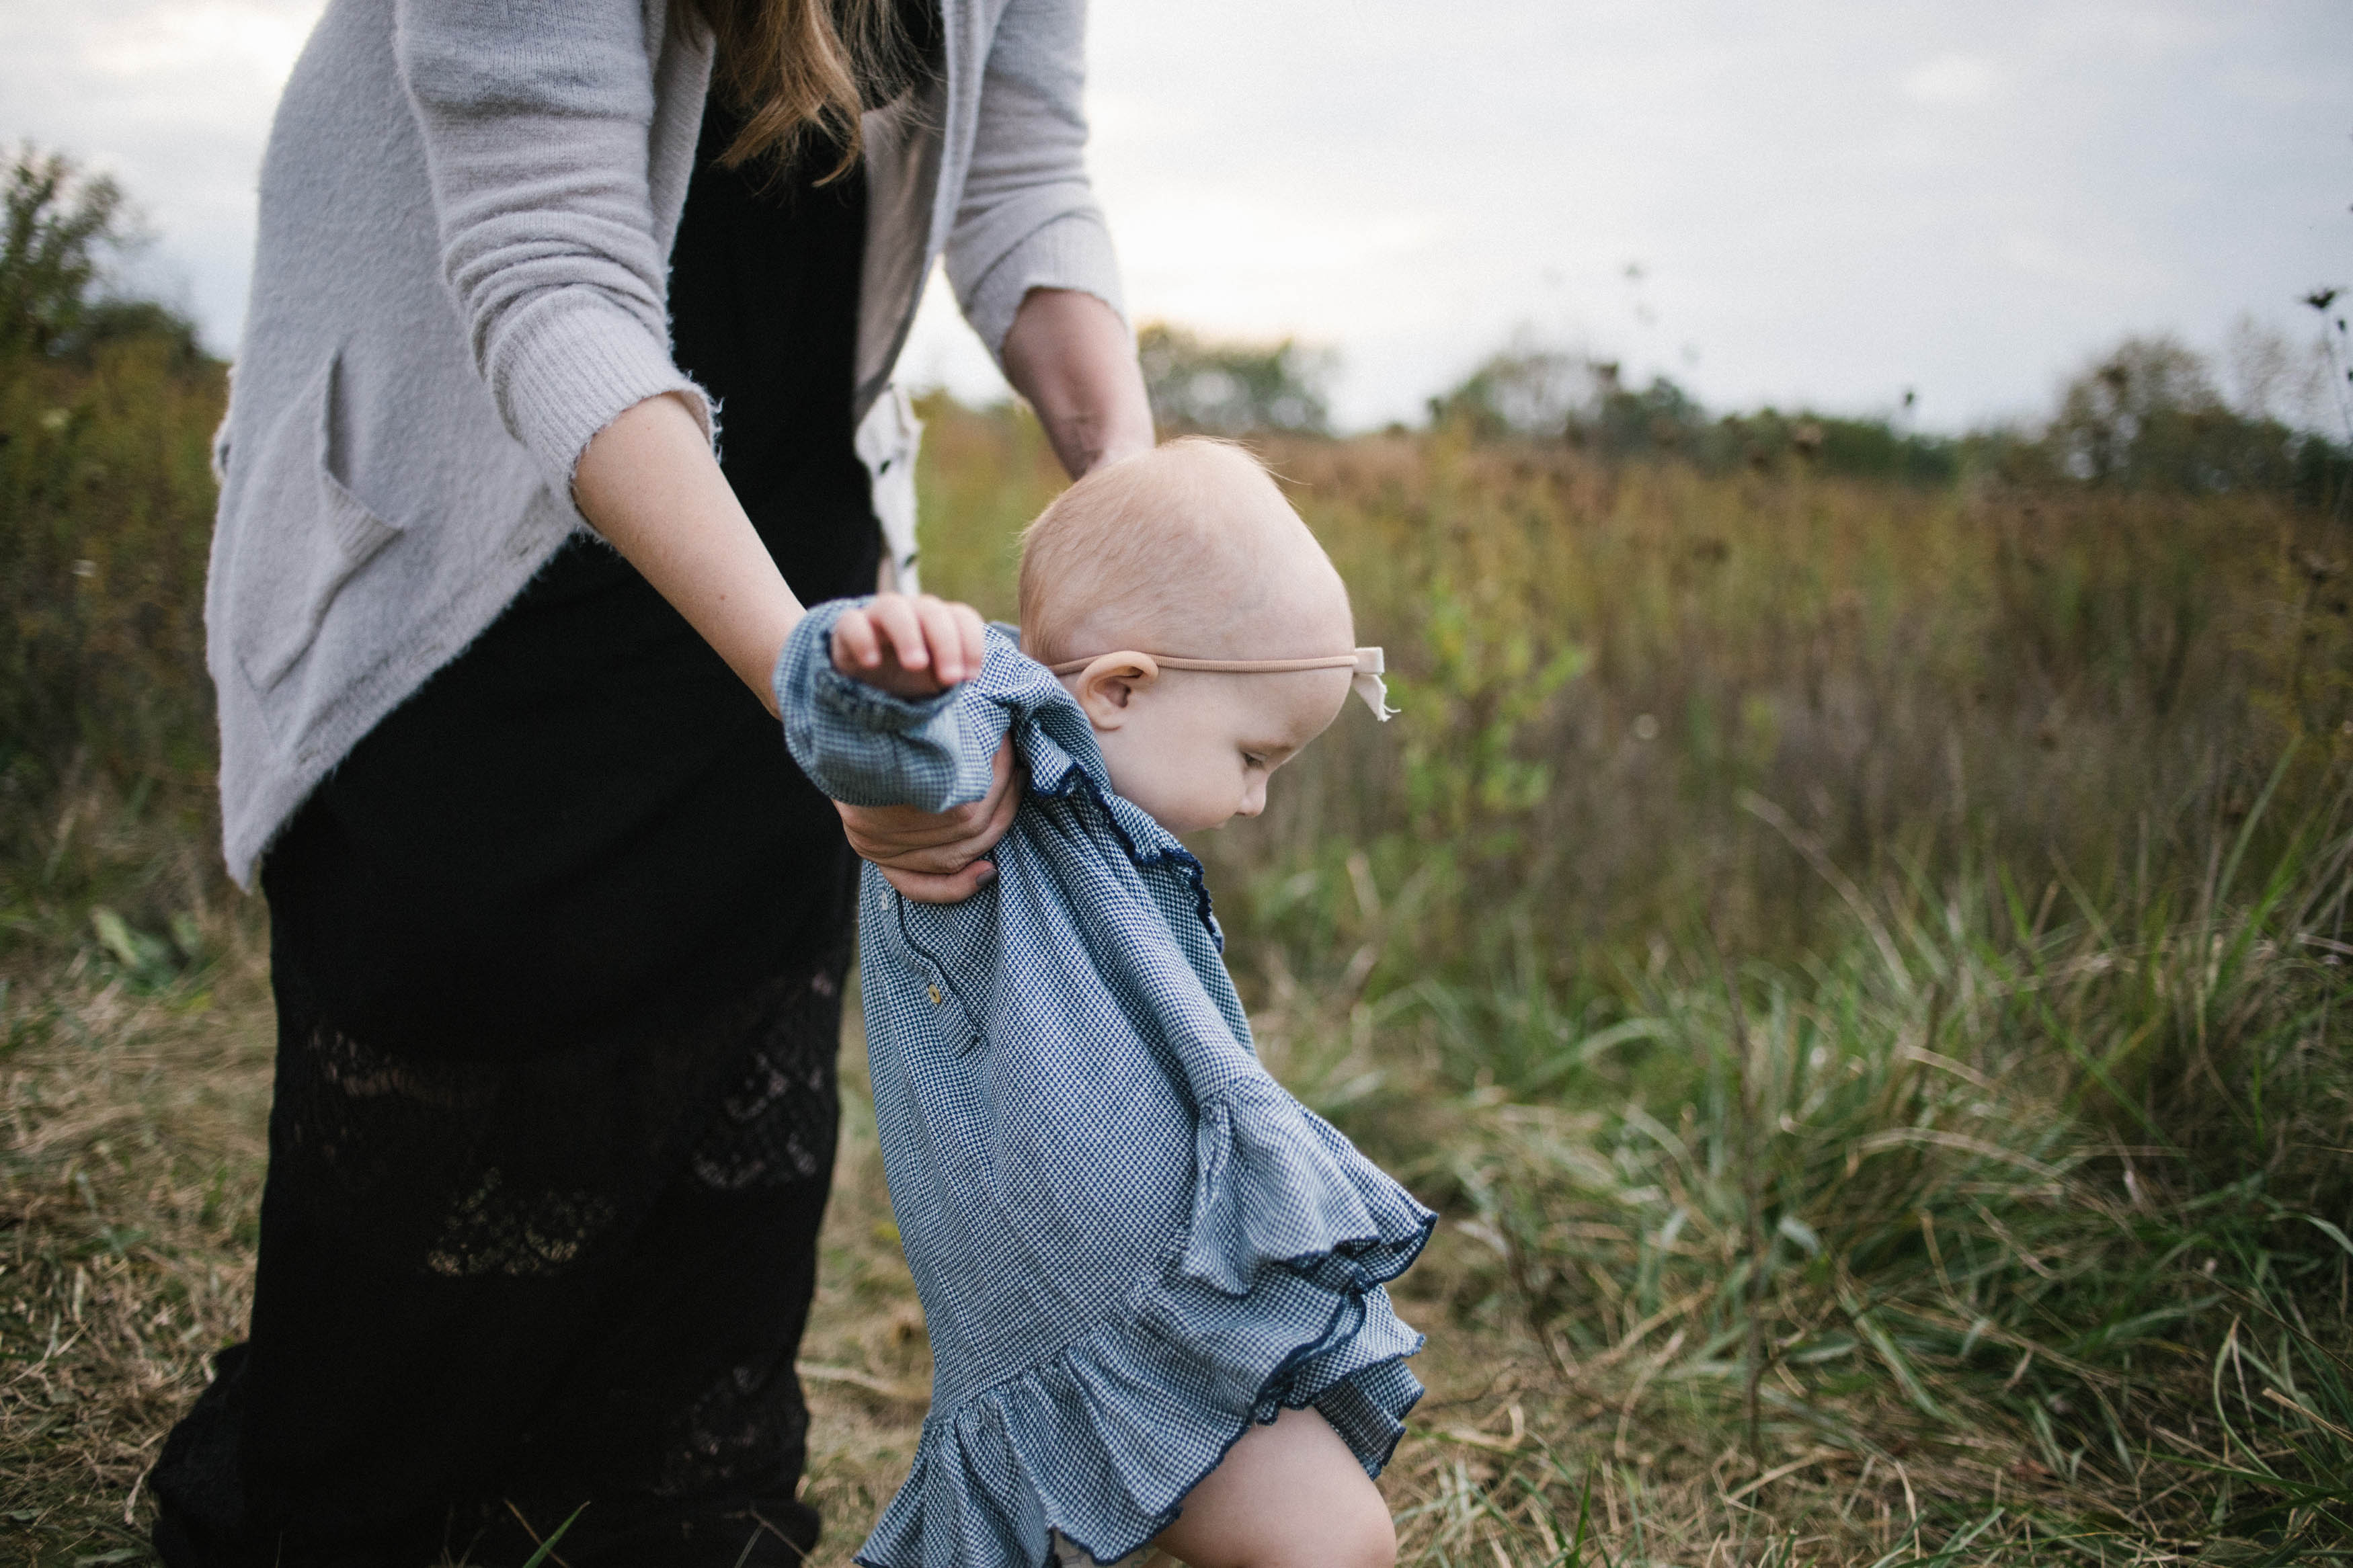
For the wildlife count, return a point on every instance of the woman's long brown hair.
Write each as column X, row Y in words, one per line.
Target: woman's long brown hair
column 800, row 72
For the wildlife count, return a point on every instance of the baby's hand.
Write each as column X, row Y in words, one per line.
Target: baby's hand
column 916, row 646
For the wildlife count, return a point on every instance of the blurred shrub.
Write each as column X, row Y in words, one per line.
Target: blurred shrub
column 1229, row 388
column 2148, row 416
column 59, row 232
column 982, row 474
column 106, row 716
column 1526, row 390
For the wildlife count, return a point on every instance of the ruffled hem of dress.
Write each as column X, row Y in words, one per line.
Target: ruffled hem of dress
column 1111, row 1418
column 1273, row 1300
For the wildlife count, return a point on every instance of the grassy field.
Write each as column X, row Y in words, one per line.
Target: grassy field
column 1860, row 966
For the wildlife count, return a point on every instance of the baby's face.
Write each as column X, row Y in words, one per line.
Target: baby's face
column 1195, row 748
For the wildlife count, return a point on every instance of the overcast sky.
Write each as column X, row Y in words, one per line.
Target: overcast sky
column 1822, row 202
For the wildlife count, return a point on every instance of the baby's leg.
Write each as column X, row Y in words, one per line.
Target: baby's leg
column 1290, row 1495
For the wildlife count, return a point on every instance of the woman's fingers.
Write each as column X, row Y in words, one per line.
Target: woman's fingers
column 935, row 857
column 927, row 889
column 936, row 842
column 1004, row 797
column 902, row 837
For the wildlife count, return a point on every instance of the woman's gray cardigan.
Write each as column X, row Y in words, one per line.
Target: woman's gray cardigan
column 467, row 210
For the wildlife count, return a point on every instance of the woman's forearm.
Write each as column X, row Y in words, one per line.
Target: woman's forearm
column 648, row 484
column 1072, row 356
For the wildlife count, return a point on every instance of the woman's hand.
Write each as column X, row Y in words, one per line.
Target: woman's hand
column 935, row 858
column 909, row 646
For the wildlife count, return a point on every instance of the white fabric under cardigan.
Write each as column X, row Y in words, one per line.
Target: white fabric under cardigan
column 466, row 214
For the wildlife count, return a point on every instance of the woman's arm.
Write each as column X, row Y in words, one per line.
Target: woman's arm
column 536, row 135
column 1073, row 357
column 1030, row 258
column 649, row 483
column 538, row 128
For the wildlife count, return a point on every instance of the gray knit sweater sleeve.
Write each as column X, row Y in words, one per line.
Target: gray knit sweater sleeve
column 536, row 117
column 1028, row 217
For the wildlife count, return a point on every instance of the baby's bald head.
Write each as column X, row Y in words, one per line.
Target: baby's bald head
column 1189, row 549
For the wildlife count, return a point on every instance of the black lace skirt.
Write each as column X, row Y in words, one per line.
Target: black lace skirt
column 492, row 1291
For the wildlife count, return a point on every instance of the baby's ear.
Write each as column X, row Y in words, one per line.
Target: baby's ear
column 1108, row 684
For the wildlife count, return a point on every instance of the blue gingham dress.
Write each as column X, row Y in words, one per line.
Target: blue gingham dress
column 1131, row 1242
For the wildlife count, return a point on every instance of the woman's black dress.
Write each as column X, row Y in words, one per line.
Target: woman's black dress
column 558, row 953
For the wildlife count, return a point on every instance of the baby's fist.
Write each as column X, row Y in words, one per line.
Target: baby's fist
column 916, row 645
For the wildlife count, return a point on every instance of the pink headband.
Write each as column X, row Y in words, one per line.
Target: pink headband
column 1365, row 661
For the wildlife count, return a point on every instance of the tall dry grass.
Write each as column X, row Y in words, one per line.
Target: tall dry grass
column 1598, row 663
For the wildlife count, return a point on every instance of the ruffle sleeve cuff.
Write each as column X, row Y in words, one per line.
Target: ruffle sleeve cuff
column 1277, row 1186
column 863, row 746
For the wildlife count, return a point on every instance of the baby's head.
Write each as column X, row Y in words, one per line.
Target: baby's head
column 1187, row 551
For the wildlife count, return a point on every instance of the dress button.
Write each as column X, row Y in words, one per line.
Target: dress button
column 936, row 995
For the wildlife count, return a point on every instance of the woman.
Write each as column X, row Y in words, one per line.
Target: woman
column 558, row 935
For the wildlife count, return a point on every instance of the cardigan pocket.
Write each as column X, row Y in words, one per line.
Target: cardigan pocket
column 303, row 533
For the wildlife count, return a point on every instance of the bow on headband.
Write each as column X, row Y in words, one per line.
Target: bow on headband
column 1366, row 683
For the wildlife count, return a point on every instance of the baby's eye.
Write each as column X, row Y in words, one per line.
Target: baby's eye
column 1255, row 758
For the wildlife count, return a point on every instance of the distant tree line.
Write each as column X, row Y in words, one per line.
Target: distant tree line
column 1227, row 388
column 2147, row 415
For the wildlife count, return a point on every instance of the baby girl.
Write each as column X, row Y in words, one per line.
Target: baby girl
column 1152, row 1280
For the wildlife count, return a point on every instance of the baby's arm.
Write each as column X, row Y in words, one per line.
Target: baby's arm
column 873, row 707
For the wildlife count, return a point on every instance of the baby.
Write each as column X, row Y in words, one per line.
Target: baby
column 1153, row 1280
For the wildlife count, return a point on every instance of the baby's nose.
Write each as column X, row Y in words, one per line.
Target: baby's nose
column 1253, row 799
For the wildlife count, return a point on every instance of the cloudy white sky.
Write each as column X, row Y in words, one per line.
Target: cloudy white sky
column 1817, row 200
